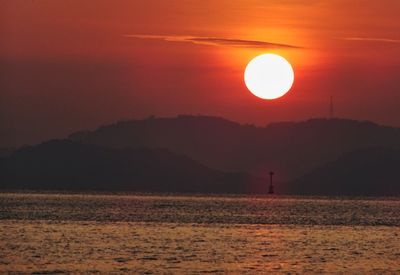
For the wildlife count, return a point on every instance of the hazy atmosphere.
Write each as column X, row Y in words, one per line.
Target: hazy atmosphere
column 71, row 65
column 191, row 137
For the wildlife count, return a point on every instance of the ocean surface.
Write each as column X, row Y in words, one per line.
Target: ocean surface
column 176, row 234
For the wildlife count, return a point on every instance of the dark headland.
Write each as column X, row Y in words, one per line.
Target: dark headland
column 214, row 155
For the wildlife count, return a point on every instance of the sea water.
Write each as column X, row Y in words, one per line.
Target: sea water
column 195, row 234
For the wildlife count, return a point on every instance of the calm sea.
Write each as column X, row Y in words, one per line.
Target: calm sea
column 145, row 233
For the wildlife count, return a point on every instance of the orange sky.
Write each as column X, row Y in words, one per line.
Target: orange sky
column 69, row 64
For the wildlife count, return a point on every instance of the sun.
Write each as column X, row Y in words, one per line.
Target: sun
column 269, row 76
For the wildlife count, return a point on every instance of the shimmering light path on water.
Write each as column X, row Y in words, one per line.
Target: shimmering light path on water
column 52, row 233
column 201, row 209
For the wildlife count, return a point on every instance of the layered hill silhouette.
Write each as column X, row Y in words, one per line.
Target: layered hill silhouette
column 6, row 151
column 199, row 153
column 67, row 165
column 289, row 148
column 365, row 172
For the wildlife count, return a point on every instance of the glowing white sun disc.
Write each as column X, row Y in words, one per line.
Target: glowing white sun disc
column 269, row 76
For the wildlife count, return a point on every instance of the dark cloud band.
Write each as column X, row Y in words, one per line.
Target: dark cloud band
column 214, row 41
column 371, row 39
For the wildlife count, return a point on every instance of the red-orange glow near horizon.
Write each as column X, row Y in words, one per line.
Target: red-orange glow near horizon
column 69, row 65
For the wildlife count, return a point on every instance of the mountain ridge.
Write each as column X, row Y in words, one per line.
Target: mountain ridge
column 64, row 164
column 364, row 172
column 289, row 148
column 185, row 153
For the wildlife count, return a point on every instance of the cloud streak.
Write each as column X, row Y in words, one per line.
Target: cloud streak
column 371, row 39
column 213, row 41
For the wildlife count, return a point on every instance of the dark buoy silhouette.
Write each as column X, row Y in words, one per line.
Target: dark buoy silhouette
column 271, row 187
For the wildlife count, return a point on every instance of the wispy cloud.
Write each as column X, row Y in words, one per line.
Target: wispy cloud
column 213, row 41
column 371, row 39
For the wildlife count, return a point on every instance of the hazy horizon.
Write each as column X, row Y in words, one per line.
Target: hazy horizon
column 68, row 65
column 154, row 145
column 97, row 126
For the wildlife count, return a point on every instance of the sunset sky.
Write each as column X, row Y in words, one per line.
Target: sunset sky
column 68, row 65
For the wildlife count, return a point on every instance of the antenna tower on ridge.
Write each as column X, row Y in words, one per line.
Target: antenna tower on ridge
column 331, row 108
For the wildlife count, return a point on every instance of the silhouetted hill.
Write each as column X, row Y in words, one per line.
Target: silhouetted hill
column 370, row 172
column 6, row 151
column 289, row 148
column 67, row 165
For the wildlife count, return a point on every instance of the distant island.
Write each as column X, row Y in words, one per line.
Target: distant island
column 214, row 155
column 68, row 165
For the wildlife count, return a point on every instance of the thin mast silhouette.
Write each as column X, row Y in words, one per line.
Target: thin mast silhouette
column 271, row 187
